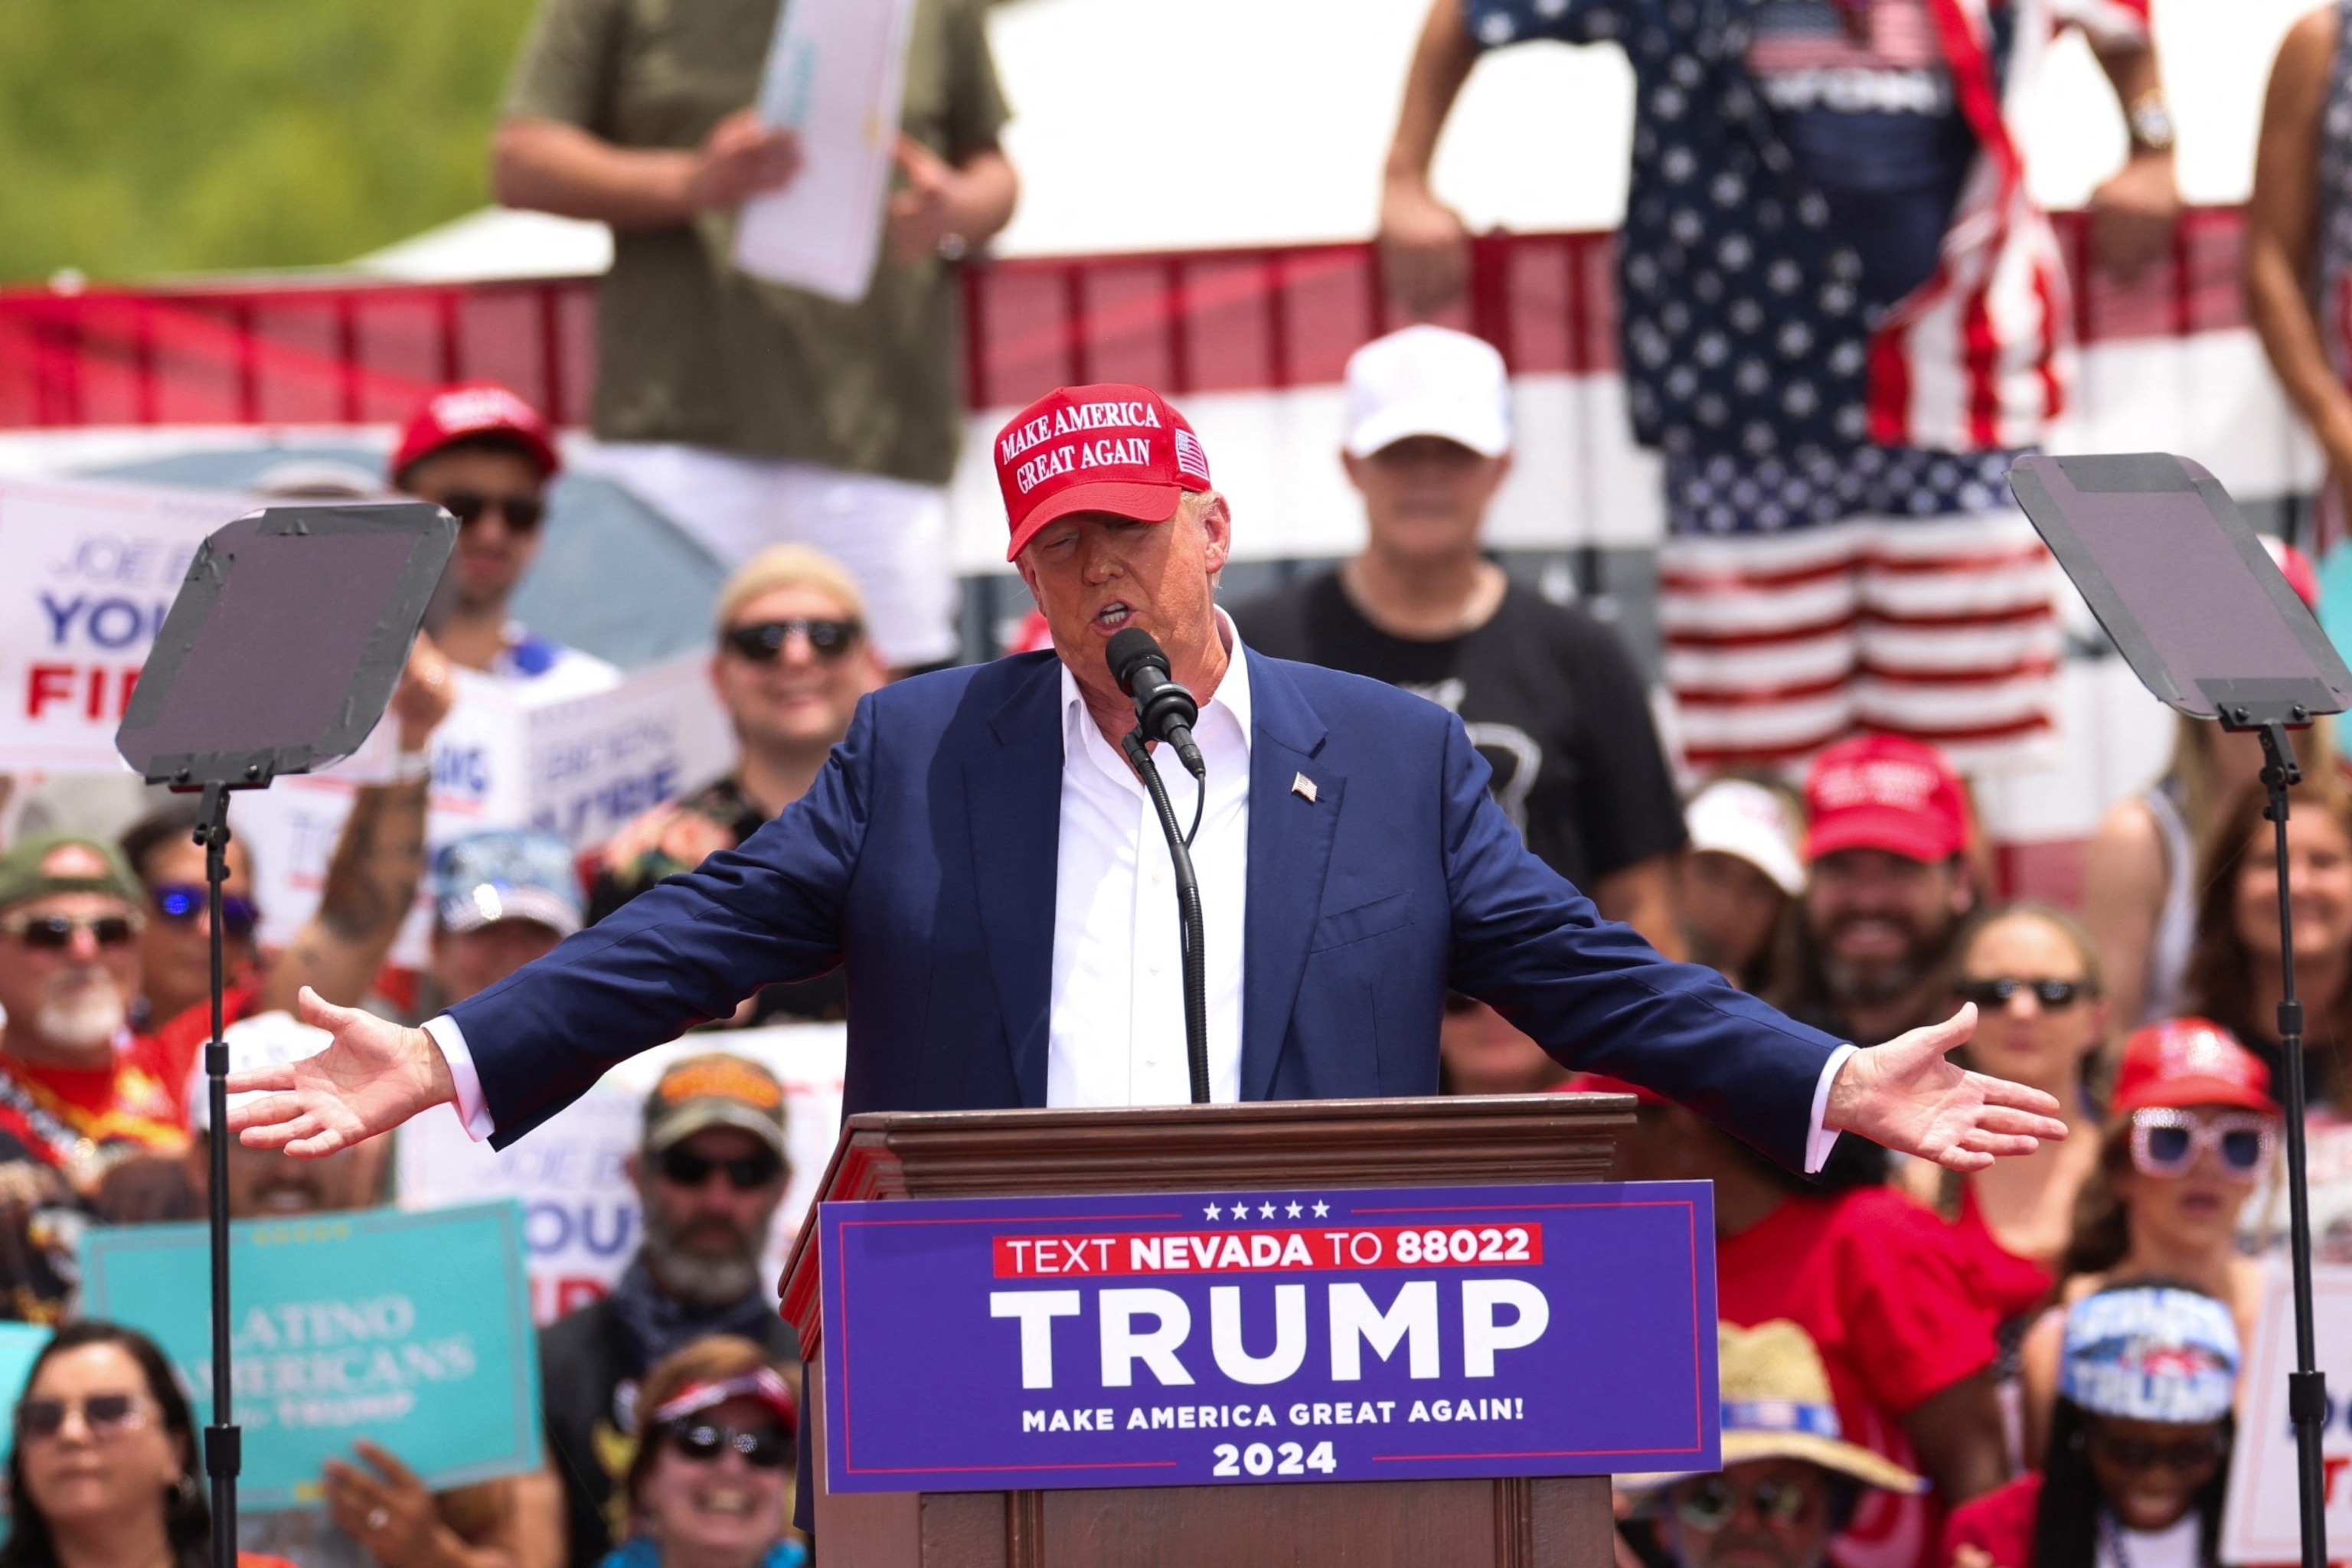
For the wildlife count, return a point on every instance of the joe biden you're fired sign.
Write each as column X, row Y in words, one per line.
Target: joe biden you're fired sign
column 1257, row 1337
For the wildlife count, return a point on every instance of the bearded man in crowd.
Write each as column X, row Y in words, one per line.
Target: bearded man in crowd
column 79, row 1092
column 1891, row 884
column 710, row 1172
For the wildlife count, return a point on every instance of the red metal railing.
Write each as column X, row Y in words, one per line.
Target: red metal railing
column 343, row 352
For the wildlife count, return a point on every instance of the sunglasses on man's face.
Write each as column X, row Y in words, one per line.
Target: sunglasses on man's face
column 764, row 1447
column 2052, row 994
column 2166, row 1143
column 1715, row 1503
column 747, row 1175
column 105, row 1415
column 762, row 641
column 55, row 934
column 524, row 513
column 182, row 902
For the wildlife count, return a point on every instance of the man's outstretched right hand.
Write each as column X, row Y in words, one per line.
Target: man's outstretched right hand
column 374, row 1076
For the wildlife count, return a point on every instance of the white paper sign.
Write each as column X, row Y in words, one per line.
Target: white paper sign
column 581, row 768
column 86, row 574
column 835, row 74
column 581, row 1223
column 2259, row 1523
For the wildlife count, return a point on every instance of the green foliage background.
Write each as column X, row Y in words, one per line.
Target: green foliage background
column 147, row 136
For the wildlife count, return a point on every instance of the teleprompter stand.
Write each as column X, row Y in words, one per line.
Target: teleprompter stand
column 281, row 650
column 2208, row 624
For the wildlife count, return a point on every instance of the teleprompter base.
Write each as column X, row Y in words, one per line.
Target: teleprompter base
column 1507, row 1523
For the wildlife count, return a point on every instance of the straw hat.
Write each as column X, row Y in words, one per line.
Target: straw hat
column 1776, row 1405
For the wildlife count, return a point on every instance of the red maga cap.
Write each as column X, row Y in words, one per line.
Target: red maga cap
column 2185, row 1062
column 467, row 413
column 1884, row 792
column 1111, row 448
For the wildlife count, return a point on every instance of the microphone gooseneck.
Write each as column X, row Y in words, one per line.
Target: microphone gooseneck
column 1166, row 711
column 1163, row 710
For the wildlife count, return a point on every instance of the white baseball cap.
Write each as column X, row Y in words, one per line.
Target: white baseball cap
column 269, row 1039
column 1748, row 822
column 1428, row 381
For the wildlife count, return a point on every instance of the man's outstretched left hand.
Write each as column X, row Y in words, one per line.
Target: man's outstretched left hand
column 1904, row 1096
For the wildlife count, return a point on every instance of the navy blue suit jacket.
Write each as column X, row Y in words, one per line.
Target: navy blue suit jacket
column 924, row 860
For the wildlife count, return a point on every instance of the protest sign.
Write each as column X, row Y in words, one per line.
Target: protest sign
column 2260, row 1520
column 580, row 767
column 581, row 1224
column 86, row 573
column 836, row 73
column 410, row 1330
column 1227, row 1338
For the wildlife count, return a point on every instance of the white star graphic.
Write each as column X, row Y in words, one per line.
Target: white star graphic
column 1293, row 1211
column 1241, row 1210
column 1321, row 1209
column 1214, row 1212
column 1265, row 1211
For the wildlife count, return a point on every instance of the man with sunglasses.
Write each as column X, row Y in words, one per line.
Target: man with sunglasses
column 79, row 1093
column 710, row 1170
column 1789, row 1479
column 981, row 858
column 485, row 455
column 793, row 659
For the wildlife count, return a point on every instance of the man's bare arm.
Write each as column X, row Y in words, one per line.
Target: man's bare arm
column 1424, row 248
column 2283, row 237
column 1956, row 1433
column 378, row 860
column 550, row 166
column 2133, row 210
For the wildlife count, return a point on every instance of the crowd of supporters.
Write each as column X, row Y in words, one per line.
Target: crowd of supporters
column 2033, row 1366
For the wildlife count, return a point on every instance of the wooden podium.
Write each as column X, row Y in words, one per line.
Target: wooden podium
column 1513, row 1523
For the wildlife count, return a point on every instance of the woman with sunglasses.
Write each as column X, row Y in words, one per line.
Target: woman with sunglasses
column 2139, row 1443
column 2034, row 974
column 2191, row 1130
column 711, row 1484
column 2235, row 978
column 104, row 1471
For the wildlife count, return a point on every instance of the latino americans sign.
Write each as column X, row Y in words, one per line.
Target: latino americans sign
column 1243, row 1337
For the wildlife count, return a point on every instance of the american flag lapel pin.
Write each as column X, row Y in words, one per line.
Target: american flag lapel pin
column 1303, row 787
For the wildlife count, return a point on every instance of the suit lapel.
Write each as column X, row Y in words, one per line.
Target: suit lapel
column 1012, row 793
column 1289, row 850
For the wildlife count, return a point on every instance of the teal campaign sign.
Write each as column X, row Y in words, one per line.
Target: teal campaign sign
column 413, row 1330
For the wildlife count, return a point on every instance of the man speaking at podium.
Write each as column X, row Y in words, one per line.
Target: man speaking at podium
column 984, row 862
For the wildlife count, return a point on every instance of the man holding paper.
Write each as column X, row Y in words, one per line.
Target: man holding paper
column 746, row 410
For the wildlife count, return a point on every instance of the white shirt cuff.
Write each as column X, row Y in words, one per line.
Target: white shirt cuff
column 1819, row 1139
column 474, row 1111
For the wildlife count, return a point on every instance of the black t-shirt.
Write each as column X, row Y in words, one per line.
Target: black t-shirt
column 1549, row 697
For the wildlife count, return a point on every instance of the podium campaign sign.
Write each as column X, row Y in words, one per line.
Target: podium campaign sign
column 412, row 1330
column 1229, row 1338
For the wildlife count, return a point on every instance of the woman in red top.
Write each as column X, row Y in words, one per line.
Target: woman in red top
column 2034, row 974
column 104, row 1469
column 2139, row 1444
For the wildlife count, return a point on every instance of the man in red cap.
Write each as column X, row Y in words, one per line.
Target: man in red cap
column 985, row 866
column 1889, row 886
column 486, row 457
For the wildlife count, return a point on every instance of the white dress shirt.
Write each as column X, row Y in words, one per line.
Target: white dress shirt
column 1116, row 1029
column 1116, row 1032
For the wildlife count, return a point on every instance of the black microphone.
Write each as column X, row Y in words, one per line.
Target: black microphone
column 1164, row 709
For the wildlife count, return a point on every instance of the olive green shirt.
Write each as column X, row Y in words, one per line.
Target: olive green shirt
column 690, row 349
